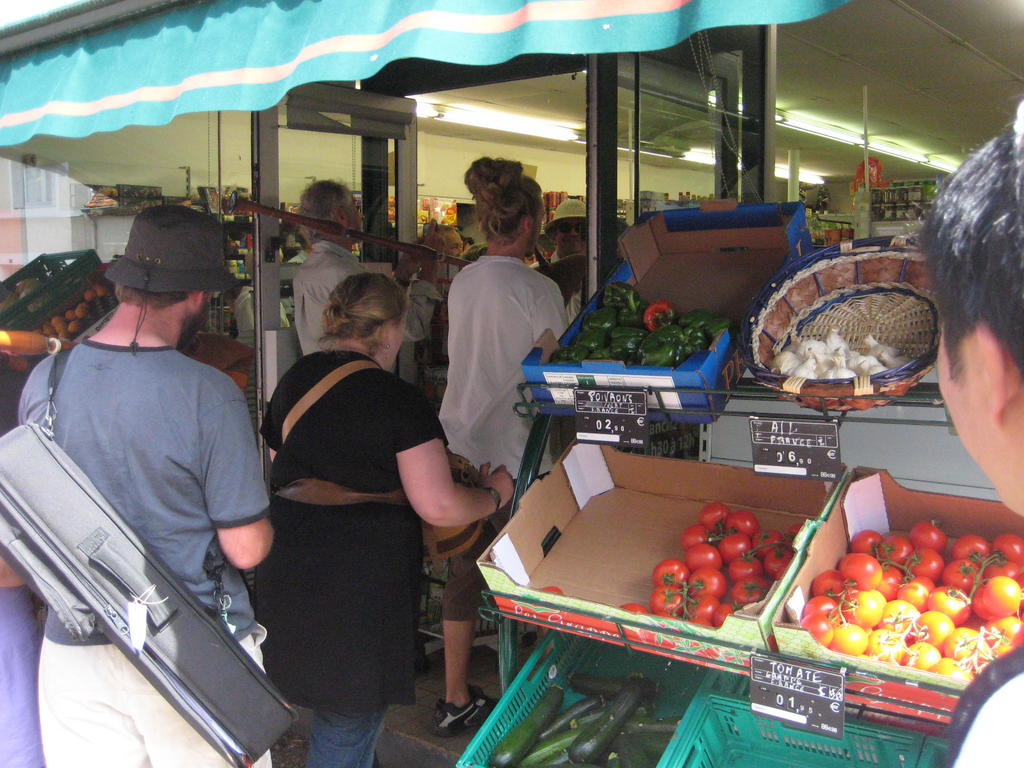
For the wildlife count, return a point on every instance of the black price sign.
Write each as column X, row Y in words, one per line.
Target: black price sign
column 797, row 447
column 614, row 417
column 802, row 695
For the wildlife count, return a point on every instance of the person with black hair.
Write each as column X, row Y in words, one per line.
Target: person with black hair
column 973, row 241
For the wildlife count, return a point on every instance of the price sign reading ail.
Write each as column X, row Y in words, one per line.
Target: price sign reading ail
column 612, row 417
column 796, row 447
column 802, row 695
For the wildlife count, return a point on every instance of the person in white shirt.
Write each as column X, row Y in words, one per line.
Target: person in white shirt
column 330, row 258
column 497, row 308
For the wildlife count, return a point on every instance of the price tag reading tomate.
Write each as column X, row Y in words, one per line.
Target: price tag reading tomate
column 802, row 695
column 612, row 417
column 796, row 447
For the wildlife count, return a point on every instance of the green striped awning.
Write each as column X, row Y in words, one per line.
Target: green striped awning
column 246, row 54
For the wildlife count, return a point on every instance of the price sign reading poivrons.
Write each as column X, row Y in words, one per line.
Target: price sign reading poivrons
column 616, row 417
column 796, row 447
column 802, row 695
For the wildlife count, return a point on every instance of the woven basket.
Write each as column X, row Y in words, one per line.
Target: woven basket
column 876, row 286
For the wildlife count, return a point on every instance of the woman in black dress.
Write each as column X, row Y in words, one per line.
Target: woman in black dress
column 339, row 592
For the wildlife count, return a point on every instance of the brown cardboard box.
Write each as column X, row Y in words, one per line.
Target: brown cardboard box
column 600, row 521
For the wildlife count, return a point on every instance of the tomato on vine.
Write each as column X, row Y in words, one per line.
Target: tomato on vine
column 733, row 546
column 849, row 638
column 820, row 626
column 922, row 655
column 968, row 545
column 961, row 574
column 742, row 521
column 749, row 591
column 926, row 562
column 764, row 540
column 819, row 604
column 827, row 583
column 671, row 571
column 916, row 592
column 777, row 560
column 702, row 556
column 694, row 535
column 950, row 601
column 894, row 549
column 864, row 542
column 1011, row 546
column 926, row 534
column 863, row 570
column 933, row 627
column 863, row 607
column 892, row 579
column 707, row 581
column 886, row 645
column 666, row 601
column 712, row 514
column 745, row 567
column 997, row 598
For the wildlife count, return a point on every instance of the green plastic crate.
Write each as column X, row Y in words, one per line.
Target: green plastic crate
column 62, row 276
column 559, row 656
column 720, row 731
column 933, row 753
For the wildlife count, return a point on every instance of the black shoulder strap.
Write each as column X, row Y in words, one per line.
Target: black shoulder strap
column 60, row 360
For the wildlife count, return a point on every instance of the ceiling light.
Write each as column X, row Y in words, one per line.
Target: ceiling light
column 903, row 154
column 819, row 129
column 942, row 165
column 501, row 121
column 807, row 177
column 702, row 156
column 425, row 109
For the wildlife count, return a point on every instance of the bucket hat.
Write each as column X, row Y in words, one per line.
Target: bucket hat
column 173, row 248
column 570, row 208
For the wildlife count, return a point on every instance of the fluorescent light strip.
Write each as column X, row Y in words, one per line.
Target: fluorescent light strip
column 497, row 121
column 848, row 137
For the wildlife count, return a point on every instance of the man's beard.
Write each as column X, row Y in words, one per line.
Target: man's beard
column 192, row 325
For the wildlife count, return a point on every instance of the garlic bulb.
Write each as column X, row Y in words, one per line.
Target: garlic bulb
column 808, row 347
column 808, row 369
column 836, row 344
column 786, row 361
column 836, row 368
column 868, row 365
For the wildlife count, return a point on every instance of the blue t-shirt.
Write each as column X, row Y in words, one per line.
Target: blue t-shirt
column 169, row 443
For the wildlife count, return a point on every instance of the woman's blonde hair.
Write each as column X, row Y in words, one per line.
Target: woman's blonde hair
column 360, row 305
column 503, row 194
column 441, row 236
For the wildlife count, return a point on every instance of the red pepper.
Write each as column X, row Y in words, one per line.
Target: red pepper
column 658, row 315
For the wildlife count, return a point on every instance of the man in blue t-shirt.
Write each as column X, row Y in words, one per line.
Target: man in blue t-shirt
column 169, row 443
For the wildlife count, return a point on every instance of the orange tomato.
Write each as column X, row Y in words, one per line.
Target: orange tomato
column 898, row 615
column 916, row 593
column 950, row 668
column 933, row 627
column 961, row 643
column 863, row 607
column 922, row 655
column 892, row 578
column 998, row 597
column 1003, row 635
column 849, row 638
column 886, row 645
column 951, row 602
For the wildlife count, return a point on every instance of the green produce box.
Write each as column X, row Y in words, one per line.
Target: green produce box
column 560, row 655
column 720, row 731
column 55, row 277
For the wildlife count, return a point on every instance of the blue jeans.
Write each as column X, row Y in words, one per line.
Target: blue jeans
column 343, row 741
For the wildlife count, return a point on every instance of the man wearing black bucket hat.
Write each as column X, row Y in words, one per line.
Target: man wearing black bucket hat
column 974, row 244
column 168, row 441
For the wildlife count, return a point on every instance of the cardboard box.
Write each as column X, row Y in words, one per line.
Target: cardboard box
column 874, row 500
column 600, row 521
column 715, row 257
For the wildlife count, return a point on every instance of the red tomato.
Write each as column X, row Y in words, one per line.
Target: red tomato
column 863, row 570
column 742, row 521
column 695, row 534
column 950, row 601
column 743, row 568
column 777, row 560
column 827, row 583
column 865, row 541
column 703, row 611
column 669, row 572
column 922, row 655
column 926, row 562
column 895, row 549
column 553, row 590
column 916, row 593
column 666, row 601
column 970, row 544
column 764, row 540
column 863, row 607
column 1011, row 545
column 634, row 607
column 712, row 514
column 820, row 626
column 703, row 556
column 708, row 581
column 733, row 546
column 925, row 534
column 892, row 579
column 1009, row 568
column 820, row 604
column 1003, row 635
column 997, row 598
column 899, row 615
column 791, row 532
column 933, row 627
column 886, row 645
column 849, row 638
column 960, row 574
column 721, row 614
column 749, row 591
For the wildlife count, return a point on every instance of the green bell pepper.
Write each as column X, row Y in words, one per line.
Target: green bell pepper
column 716, row 326
column 664, row 347
column 633, row 318
column 620, row 295
column 592, row 338
column 603, row 319
column 697, row 317
column 624, row 343
column 601, row 353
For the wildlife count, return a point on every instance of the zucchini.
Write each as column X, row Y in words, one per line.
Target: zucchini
column 606, row 687
column 632, row 754
column 651, row 725
column 594, row 741
column 655, row 744
column 553, row 749
column 517, row 742
column 573, row 712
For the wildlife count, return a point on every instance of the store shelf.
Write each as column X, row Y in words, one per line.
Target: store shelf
column 924, row 395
